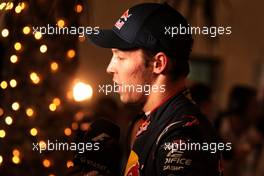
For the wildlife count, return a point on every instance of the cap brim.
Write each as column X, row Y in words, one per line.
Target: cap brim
column 109, row 39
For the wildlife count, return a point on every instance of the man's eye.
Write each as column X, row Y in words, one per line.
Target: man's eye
column 120, row 58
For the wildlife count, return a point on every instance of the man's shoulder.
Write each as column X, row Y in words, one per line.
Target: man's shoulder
column 186, row 119
column 190, row 129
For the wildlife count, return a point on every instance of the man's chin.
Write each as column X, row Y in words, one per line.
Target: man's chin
column 129, row 100
column 124, row 99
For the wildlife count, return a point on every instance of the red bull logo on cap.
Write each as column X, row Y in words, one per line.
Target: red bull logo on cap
column 119, row 24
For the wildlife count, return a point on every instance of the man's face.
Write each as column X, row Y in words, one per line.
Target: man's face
column 129, row 72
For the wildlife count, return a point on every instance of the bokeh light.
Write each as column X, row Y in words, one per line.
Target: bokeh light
column 42, row 145
column 1, row 111
column 70, row 53
column 3, row 84
column 52, row 107
column 9, row 5
column 2, row 5
column 78, row 8
column 26, row 30
column 67, row 131
column 54, row 66
column 8, row 120
column 69, row 164
column 18, row 46
column 13, row 59
column 82, row 92
column 56, row 101
column 13, row 83
column 18, row 9
column 16, row 159
column 16, row 152
column 29, row 112
column 43, row 48
column 15, row 106
column 5, row 32
column 61, row 23
column 2, row 133
column 23, row 5
column 1, row 160
column 46, row 163
column 33, row 132
column 34, row 77
column 74, row 125
column 38, row 35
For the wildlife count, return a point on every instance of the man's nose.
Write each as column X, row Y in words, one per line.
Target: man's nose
column 111, row 66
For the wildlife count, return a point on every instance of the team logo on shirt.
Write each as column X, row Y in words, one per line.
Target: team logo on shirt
column 132, row 167
column 143, row 127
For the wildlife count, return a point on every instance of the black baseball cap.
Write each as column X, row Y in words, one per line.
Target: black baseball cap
column 148, row 26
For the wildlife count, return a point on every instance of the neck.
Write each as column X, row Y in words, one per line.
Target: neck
column 155, row 99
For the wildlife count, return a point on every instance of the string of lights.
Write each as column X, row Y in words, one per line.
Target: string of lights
column 35, row 71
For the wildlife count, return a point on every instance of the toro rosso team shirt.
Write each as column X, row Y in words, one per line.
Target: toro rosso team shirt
column 155, row 150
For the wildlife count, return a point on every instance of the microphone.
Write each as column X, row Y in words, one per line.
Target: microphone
column 104, row 159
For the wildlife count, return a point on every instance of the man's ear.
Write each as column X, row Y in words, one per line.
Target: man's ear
column 160, row 62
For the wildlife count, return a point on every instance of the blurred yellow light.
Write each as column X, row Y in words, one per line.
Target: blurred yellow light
column 70, row 53
column 2, row 5
column 1, row 111
column 61, row 23
column 8, row 120
column 34, row 77
column 3, row 84
column 16, row 152
column 82, row 91
column 15, row 106
column 67, row 131
column 5, row 32
column 38, row 35
column 42, row 145
column 33, row 131
column 43, row 48
column 29, row 112
column 56, row 101
column 2, row 133
column 52, row 107
column 13, row 83
column 26, row 30
column 13, row 59
column 78, row 8
column 18, row 9
column 16, row 159
column 22, row 5
column 17, row 46
column 1, row 160
column 46, row 163
column 74, row 125
column 69, row 164
column 9, row 6
column 51, row 174
column 54, row 66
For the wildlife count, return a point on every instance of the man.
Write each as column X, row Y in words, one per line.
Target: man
column 146, row 56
